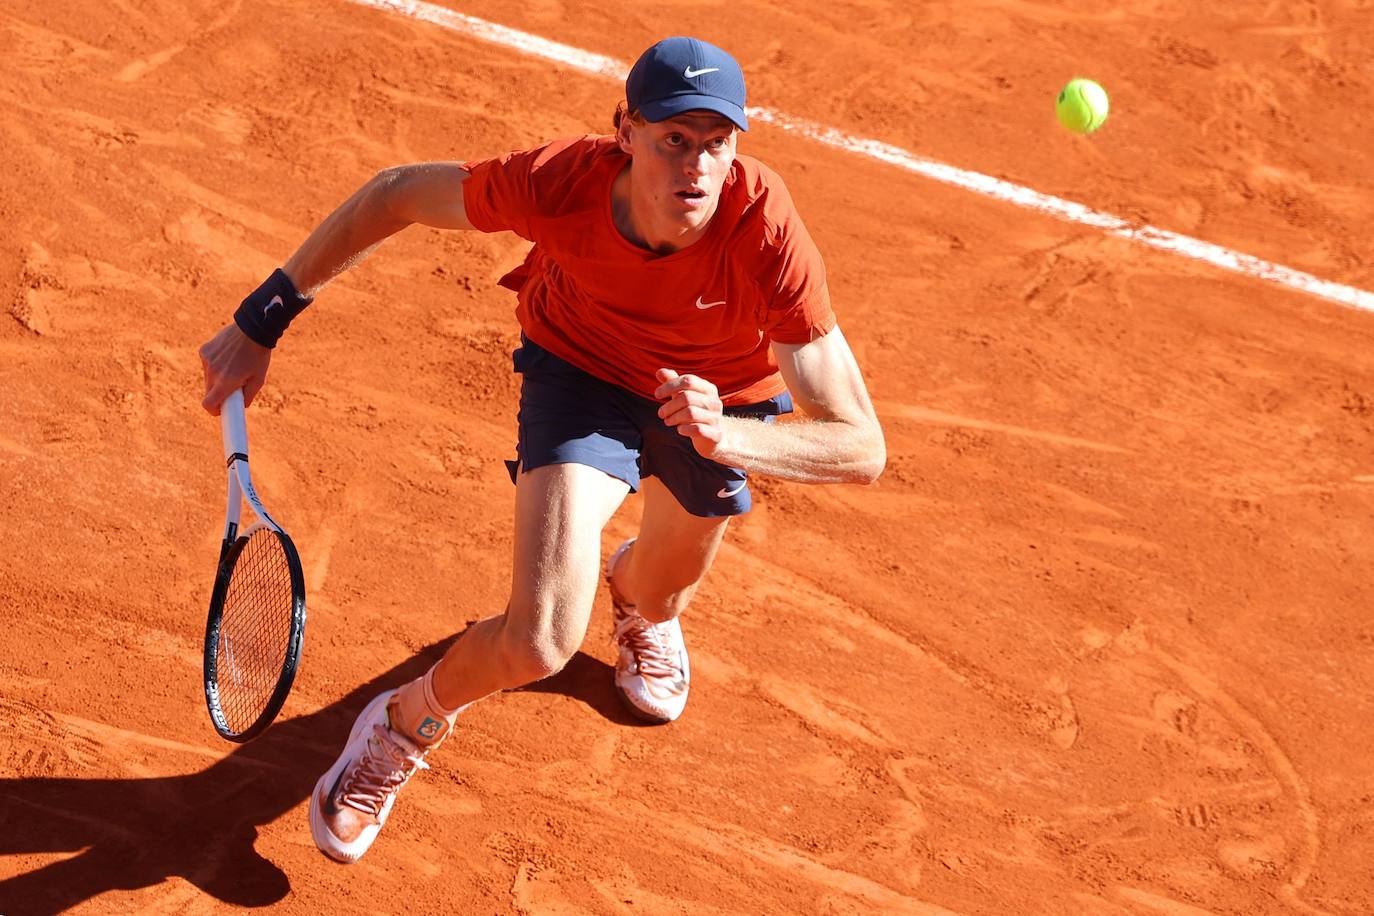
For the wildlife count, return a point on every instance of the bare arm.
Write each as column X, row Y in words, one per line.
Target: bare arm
column 429, row 193
column 841, row 440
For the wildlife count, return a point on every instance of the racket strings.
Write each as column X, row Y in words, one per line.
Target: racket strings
column 256, row 628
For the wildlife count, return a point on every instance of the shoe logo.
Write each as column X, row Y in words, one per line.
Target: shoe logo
column 693, row 74
column 429, row 729
column 330, row 808
column 708, row 305
column 725, row 493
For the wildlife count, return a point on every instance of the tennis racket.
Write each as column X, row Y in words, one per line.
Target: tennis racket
column 257, row 610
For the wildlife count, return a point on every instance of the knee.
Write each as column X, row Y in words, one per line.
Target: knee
column 532, row 653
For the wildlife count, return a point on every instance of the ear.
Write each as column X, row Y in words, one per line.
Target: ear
column 622, row 135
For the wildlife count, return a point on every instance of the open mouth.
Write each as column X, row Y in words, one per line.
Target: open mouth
column 691, row 196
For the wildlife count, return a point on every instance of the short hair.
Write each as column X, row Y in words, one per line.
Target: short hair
column 623, row 111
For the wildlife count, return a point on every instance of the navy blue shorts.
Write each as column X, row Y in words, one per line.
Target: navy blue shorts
column 568, row 416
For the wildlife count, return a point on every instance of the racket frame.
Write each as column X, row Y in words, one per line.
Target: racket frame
column 240, row 487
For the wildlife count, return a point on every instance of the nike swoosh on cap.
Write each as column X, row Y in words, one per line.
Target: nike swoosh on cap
column 708, row 305
column 692, row 74
column 726, row 493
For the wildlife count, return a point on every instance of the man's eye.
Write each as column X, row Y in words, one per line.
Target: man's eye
column 673, row 139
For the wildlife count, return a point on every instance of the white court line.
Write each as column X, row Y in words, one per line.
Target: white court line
column 995, row 188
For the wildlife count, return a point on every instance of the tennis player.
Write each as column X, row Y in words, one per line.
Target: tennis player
column 673, row 304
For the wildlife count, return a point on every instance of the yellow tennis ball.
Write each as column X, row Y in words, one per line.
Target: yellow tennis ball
column 1081, row 106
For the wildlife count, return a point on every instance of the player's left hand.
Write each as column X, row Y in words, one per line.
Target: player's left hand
column 692, row 404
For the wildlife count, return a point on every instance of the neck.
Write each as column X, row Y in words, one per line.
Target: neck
column 633, row 215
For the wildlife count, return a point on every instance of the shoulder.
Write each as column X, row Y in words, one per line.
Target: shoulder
column 782, row 257
column 763, row 201
column 565, row 156
column 551, row 179
column 574, row 154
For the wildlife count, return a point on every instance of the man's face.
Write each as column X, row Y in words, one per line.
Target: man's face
column 679, row 168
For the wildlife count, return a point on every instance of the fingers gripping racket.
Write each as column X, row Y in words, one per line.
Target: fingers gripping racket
column 257, row 610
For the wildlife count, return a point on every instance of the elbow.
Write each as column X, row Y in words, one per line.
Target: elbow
column 384, row 181
column 871, row 468
column 386, row 190
column 871, row 463
column 390, row 177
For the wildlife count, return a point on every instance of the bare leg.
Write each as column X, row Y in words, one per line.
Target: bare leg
column 559, row 513
column 661, row 571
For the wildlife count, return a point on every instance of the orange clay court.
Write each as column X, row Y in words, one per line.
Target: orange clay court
column 1099, row 640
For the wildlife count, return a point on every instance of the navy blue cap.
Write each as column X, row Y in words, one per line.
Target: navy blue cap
column 686, row 74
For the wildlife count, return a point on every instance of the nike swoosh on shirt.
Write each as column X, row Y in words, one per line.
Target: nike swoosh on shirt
column 725, row 493
column 692, row 74
column 708, row 305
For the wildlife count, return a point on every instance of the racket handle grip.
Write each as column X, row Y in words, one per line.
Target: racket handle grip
column 232, row 425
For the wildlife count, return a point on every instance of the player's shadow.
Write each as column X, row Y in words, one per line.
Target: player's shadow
column 591, row 681
column 134, row 833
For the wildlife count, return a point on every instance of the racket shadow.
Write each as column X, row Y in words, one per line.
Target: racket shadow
column 202, row 827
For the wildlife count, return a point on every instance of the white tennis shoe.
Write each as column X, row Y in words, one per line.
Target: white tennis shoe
column 352, row 799
column 652, row 674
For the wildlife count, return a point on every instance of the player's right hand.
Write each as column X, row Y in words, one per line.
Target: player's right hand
column 232, row 361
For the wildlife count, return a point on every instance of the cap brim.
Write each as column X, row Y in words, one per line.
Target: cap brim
column 663, row 109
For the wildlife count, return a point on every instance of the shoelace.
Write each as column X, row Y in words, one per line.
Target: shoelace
column 652, row 655
column 385, row 767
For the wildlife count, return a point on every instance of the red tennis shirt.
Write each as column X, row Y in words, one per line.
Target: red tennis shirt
column 621, row 312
